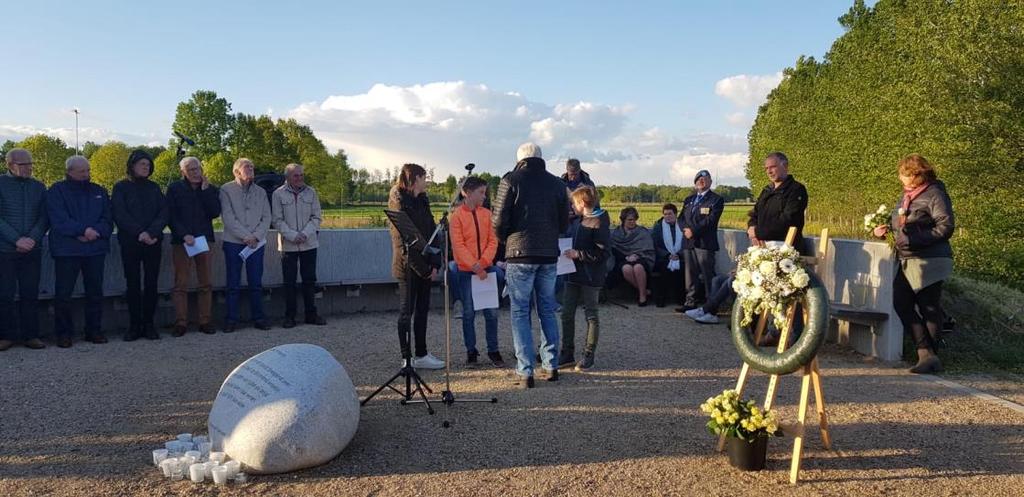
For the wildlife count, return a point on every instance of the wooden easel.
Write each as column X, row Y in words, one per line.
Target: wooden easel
column 811, row 374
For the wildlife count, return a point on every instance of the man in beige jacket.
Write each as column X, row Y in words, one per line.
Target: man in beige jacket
column 246, row 215
column 297, row 218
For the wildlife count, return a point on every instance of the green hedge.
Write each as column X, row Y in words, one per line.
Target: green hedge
column 942, row 78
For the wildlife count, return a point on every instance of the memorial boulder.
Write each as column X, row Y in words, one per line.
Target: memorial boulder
column 287, row 408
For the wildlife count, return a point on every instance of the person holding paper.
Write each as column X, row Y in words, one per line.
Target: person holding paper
column 297, row 215
column 192, row 205
column 140, row 213
column 531, row 209
column 474, row 245
column 80, row 229
column 246, row 213
column 591, row 237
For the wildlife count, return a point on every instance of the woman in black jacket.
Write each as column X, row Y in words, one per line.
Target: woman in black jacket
column 412, row 270
column 922, row 225
column 591, row 235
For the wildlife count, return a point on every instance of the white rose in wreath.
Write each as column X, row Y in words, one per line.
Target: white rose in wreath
column 800, row 279
column 756, row 279
column 787, row 266
column 756, row 294
column 766, row 268
column 743, row 276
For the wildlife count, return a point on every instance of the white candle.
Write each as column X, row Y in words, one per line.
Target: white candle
column 168, row 465
column 208, row 468
column 185, row 437
column 158, row 456
column 220, row 475
column 197, row 472
column 218, row 457
column 195, row 454
column 233, row 468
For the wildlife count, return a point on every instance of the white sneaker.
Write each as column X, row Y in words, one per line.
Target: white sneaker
column 706, row 318
column 695, row 313
column 427, row 362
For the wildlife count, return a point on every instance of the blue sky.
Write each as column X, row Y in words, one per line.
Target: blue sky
column 640, row 91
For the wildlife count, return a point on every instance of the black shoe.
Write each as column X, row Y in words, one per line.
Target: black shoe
column 149, row 331
column 586, row 363
column 6, row 344
column 471, row 357
column 496, row 359
column 262, row 325
column 288, row 323
column 524, row 382
column 566, row 358
column 684, row 308
column 229, row 328
column 551, row 375
column 35, row 343
column 97, row 339
column 64, row 342
column 642, row 304
column 316, row 320
column 131, row 335
column 659, row 304
column 179, row 331
column 207, row 329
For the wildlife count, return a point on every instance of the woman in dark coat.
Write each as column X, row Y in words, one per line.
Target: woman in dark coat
column 922, row 225
column 413, row 271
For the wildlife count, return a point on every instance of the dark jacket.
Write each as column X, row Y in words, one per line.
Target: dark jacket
column 22, row 211
column 702, row 218
column 929, row 225
column 591, row 236
column 530, row 211
column 191, row 210
column 777, row 209
column 584, row 179
column 74, row 206
column 661, row 253
column 138, row 206
column 418, row 209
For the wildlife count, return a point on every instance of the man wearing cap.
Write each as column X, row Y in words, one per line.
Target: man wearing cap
column 531, row 210
column 701, row 212
column 140, row 213
column 23, row 223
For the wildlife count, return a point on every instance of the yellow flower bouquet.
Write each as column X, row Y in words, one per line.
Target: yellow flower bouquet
column 739, row 419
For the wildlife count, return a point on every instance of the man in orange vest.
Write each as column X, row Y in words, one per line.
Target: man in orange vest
column 474, row 246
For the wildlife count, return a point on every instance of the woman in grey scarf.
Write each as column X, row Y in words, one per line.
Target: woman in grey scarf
column 633, row 247
column 922, row 225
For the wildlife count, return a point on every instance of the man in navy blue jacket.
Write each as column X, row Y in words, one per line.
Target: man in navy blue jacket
column 701, row 212
column 80, row 228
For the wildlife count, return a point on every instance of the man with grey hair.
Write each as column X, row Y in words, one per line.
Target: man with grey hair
column 246, row 215
column 23, row 223
column 531, row 211
column 192, row 205
column 781, row 205
column 81, row 226
column 297, row 214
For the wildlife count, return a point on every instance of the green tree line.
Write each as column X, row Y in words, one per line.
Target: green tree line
column 941, row 78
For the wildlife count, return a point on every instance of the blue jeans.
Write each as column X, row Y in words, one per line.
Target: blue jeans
column 253, row 276
column 524, row 282
column 464, row 283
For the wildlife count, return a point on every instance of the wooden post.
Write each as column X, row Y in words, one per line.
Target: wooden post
column 801, row 416
column 819, row 404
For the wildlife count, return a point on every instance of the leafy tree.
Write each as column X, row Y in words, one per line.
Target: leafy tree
column 49, row 154
column 90, row 148
column 165, row 168
column 108, row 164
column 206, row 119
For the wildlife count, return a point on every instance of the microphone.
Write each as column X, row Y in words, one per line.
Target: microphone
column 184, row 139
column 469, row 167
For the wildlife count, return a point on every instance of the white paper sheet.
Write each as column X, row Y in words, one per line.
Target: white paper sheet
column 565, row 264
column 485, row 292
column 246, row 252
column 199, row 246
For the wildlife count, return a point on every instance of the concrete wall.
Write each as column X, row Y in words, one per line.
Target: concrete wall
column 354, row 267
column 855, row 272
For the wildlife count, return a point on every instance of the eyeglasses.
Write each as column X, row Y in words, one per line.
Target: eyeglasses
column 24, row 163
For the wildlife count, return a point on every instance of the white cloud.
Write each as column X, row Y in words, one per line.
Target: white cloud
column 445, row 125
column 18, row 132
column 745, row 90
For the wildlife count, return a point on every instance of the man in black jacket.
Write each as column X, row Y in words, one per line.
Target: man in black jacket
column 531, row 211
column 140, row 213
column 701, row 212
column 781, row 205
column 192, row 205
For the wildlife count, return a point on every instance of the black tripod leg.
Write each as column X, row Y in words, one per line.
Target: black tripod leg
column 386, row 384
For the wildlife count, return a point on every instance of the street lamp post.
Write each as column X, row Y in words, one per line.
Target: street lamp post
column 77, row 150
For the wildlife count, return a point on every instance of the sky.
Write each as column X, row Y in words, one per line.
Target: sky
column 646, row 91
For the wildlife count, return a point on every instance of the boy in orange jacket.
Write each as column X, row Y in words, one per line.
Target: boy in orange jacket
column 474, row 245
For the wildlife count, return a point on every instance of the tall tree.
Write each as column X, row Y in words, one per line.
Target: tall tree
column 49, row 154
column 108, row 164
column 206, row 119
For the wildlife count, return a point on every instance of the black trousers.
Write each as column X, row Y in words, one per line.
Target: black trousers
column 294, row 264
column 67, row 270
column 668, row 286
column 414, row 293
column 918, row 311
column 700, row 271
column 141, row 272
column 19, row 273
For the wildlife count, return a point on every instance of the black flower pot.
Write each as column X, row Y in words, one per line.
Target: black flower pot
column 747, row 456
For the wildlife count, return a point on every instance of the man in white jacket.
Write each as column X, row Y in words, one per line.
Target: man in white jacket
column 297, row 217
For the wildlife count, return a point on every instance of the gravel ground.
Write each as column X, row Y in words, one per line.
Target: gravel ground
column 83, row 421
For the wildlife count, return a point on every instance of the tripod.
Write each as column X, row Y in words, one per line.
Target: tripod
column 414, row 384
column 447, row 396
